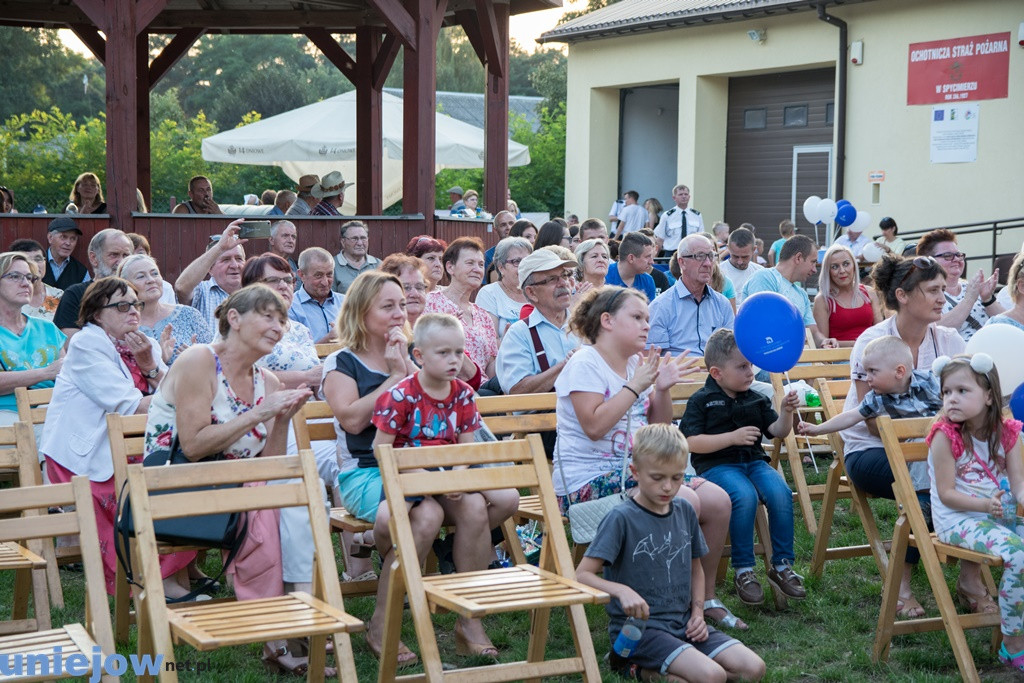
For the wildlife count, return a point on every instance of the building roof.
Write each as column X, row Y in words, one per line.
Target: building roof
column 639, row 16
column 469, row 106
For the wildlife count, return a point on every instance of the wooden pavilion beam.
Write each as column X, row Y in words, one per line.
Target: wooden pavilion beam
column 467, row 19
column 271, row 20
column 487, row 20
column 403, row 23
column 173, row 51
column 369, row 124
column 92, row 39
column 385, row 60
column 496, row 116
column 333, row 51
column 93, row 9
column 143, row 83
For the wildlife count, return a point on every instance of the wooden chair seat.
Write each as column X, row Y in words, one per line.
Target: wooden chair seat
column 343, row 520
column 529, row 509
column 72, row 639
column 214, row 624
column 512, row 589
column 14, row 556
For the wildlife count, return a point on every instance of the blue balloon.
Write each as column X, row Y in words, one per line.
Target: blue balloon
column 843, row 202
column 1017, row 402
column 770, row 331
column 846, row 214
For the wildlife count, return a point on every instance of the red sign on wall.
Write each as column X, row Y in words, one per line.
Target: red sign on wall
column 959, row 69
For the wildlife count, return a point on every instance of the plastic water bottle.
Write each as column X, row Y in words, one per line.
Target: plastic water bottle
column 629, row 636
column 39, row 209
column 1009, row 504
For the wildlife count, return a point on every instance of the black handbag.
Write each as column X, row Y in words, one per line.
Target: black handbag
column 225, row 530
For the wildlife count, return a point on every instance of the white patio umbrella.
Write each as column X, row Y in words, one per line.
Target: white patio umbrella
column 321, row 137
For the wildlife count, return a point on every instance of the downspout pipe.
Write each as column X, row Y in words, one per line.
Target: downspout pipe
column 841, row 72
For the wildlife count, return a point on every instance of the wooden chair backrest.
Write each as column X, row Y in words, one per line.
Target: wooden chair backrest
column 126, row 443
column 18, row 453
column 904, row 444
column 519, row 464
column 306, row 432
column 833, row 394
column 684, row 391
column 537, row 413
column 324, row 350
column 32, row 404
column 813, row 365
column 30, row 504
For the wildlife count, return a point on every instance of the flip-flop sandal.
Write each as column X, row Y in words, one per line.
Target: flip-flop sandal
column 978, row 604
column 908, row 608
column 1015, row 661
column 730, row 620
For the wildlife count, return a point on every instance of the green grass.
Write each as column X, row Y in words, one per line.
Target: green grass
column 827, row 637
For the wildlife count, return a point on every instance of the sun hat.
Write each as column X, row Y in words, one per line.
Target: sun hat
column 331, row 185
column 307, row 182
column 540, row 261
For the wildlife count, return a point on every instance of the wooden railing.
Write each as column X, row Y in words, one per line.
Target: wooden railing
column 177, row 239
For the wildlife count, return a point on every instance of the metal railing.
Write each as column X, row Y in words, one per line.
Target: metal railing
column 997, row 228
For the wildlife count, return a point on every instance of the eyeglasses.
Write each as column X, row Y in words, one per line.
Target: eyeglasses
column 18, row 278
column 951, row 256
column 919, row 263
column 699, row 257
column 287, row 279
column 125, row 306
column 409, row 289
column 566, row 276
column 514, row 262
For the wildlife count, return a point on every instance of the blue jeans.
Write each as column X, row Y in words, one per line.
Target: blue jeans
column 747, row 483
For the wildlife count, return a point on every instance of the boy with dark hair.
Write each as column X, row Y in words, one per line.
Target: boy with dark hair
column 724, row 423
column 635, row 258
column 646, row 548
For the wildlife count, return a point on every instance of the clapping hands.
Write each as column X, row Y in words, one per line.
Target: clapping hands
column 661, row 371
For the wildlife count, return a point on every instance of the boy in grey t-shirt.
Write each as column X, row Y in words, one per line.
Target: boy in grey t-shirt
column 646, row 547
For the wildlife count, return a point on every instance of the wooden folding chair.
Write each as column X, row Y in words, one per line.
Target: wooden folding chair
column 904, row 444
column 324, row 350
column 161, row 493
column 315, row 422
column 519, row 464
column 77, row 639
column 814, row 364
column 838, row 485
column 32, row 404
column 33, row 561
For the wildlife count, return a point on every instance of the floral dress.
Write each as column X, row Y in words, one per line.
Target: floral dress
column 296, row 350
column 481, row 337
column 161, row 426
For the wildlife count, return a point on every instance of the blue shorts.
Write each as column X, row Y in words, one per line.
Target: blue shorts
column 657, row 649
column 361, row 491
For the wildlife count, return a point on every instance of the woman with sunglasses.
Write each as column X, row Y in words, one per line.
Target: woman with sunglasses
column 968, row 303
column 31, row 348
column 110, row 367
column 914, row 289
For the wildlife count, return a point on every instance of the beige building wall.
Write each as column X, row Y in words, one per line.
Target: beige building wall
column 883, row 133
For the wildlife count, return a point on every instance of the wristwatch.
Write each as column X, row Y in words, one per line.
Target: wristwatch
column 152, row 373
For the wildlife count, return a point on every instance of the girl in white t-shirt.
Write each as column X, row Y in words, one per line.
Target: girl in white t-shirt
column 610, row 388
column 975, row 462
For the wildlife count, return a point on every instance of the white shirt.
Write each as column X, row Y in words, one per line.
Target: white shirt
column 493, row 299
column 739, row 277
column 670, row 226
column 856, row 246
column 632, row 217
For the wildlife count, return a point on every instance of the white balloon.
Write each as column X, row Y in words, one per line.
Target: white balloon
column 811, row 208
column 1003, row 343
column 827, row 210
column 861, row 222
column 872, row 252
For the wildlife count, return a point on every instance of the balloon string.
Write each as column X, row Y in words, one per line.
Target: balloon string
column 796, row 417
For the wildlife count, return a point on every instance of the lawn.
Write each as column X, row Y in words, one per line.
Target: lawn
column 827, row 637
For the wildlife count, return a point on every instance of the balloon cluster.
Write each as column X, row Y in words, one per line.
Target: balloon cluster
column 1003, row 343
column 818, row 210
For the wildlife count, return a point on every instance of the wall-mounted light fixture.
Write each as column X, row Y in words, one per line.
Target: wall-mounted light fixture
column 758, row 34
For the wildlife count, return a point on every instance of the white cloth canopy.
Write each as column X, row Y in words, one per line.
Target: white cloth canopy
column 321, row 137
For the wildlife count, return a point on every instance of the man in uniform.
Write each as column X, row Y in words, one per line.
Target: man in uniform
column 677, row 222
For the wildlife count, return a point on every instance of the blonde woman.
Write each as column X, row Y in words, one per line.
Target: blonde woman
column 653, row 207
column 843, row 307
column 86, row 195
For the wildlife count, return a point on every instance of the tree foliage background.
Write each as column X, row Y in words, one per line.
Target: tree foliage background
column 53, row 125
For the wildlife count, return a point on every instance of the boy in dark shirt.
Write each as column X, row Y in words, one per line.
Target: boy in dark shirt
column 724, row 423
column 646, row 547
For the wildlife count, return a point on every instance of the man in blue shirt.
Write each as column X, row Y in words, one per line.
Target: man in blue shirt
column 315, row 304
column 684, row 316
column 636, row 256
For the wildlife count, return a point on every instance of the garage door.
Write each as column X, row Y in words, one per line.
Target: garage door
column 779, row 140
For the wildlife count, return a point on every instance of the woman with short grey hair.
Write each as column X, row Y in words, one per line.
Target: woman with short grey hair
column 593, row 257
column 504, row 299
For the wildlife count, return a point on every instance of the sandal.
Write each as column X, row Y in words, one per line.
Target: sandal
column 406, row 657
column 907, row 607
column 978, row 604
column 361, row 548
column 1016, row 660
column 730, row 620
column 271, row 660
column 467, row 648
column 368, row 575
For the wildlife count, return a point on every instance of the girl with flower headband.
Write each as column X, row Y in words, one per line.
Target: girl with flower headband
column 974, row 458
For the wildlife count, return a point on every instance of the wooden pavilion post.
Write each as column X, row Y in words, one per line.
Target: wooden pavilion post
column 142, row 146
column 419, row 105
column 122, row 99
column 369, row 124
column 496, row 109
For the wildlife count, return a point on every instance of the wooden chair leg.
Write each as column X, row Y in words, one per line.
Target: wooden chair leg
column 539, row 620
column 22, row 589
column 828, row 509
column 392, row 632
column 53, row 576
column 763, row 533
column 515, row 548
column 584, row 643
column 891, row 590
column 796, row 468
column 578, row 550
column 122, row 606
column 860, row 504
column 947, row 609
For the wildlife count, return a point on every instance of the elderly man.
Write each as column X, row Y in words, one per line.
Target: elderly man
column 315, row 305
column 200, row 197
column 636, row 256
column 223, row 262
column 352, row 259
column 63, row 270
column 856, row 240
column 683, row 317
column 739, row 267
column 305, row 201
column 330, row 192
column 677, row 222
column 455, row 196
column 503, row 222
column 797, row 262
column 107, row 249
column 533, row 351
column 282, row 202
column 283, row 237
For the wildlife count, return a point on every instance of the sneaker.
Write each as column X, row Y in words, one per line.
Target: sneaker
column 749, row 589
column 788, row 581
